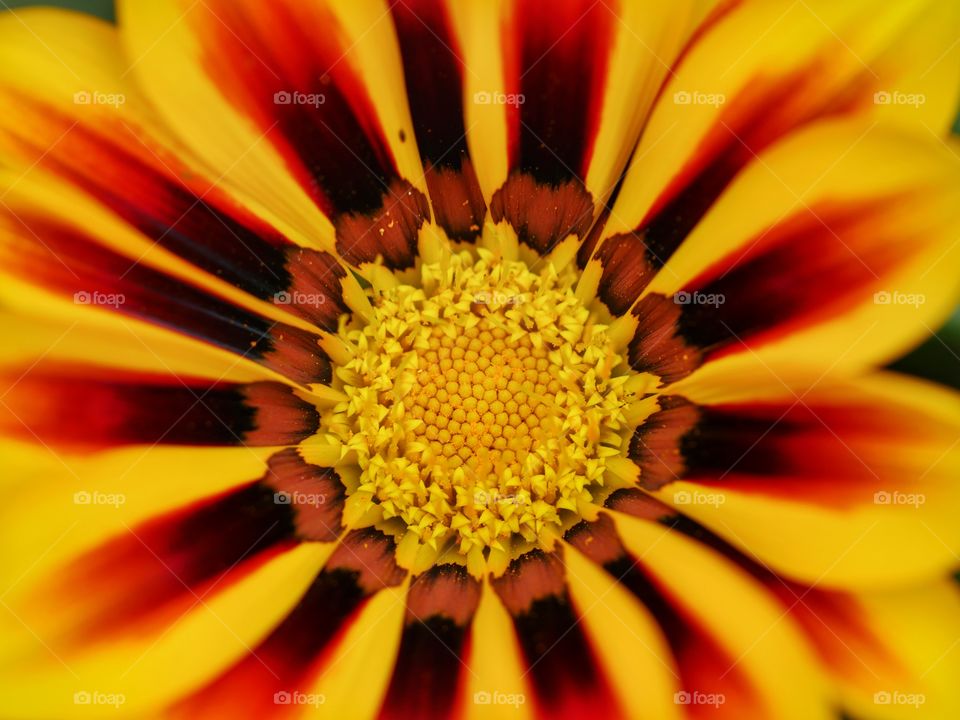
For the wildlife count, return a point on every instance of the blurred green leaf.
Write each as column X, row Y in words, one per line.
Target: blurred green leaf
column 100, row 8
column 938, row 358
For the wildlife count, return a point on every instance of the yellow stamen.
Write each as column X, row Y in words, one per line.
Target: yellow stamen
column 481, row 408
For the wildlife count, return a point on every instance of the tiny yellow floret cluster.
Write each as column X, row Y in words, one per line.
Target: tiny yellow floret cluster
column 481, row 407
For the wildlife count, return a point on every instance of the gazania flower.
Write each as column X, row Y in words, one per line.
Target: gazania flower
column 478, row 359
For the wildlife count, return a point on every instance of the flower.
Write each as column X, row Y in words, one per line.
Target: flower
column 464, row 359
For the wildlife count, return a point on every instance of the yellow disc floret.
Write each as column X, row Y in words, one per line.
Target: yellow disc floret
column 481, row 408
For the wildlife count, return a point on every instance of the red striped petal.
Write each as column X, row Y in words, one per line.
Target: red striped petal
column 265, row 59
column 705, row 667
column 429, row 677
column 88, row 409
column 73, row 264
column 295, row 652
column 564, row 671
column 433, row 72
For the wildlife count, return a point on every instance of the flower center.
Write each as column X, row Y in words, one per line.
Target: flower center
column 481, row 408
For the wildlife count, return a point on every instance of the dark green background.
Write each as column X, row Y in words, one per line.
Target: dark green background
column 938, row 358
column 100, row 8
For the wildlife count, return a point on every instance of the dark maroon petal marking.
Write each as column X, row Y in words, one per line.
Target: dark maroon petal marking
column 281, row 418
column 152, row 190
column 369, row 554
column 811, row 265
column 816, row 451
column 160, row 197
column 821, row 452
column 694, row 193
column 807, row 268
column 445, row 590
column 389, row 233
column 434, row 79
column 298, row 647
column 559, row 66
column 672, row 223
column 458, row 203
column 593, row 237
column 334, row 145
column 565, row 671
column 556, row 59
column 84, row 408
column 684, row 440
column 639, row 504
column 543, row 215
column 294, row 353
column 597, row 540
column 530, row 577
column 315, row 289
column 744, row 129
column 428, row 678
column 740, row 438
column 819, row 611
column 168, row 564
column 68, row 261
column 657, row 445
column 433, row 73
column 260, row 56
column 834, row 620
column 626, row 271
column 839, row 627
column 657, row 346
column 315, row 495
column 704, row 665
